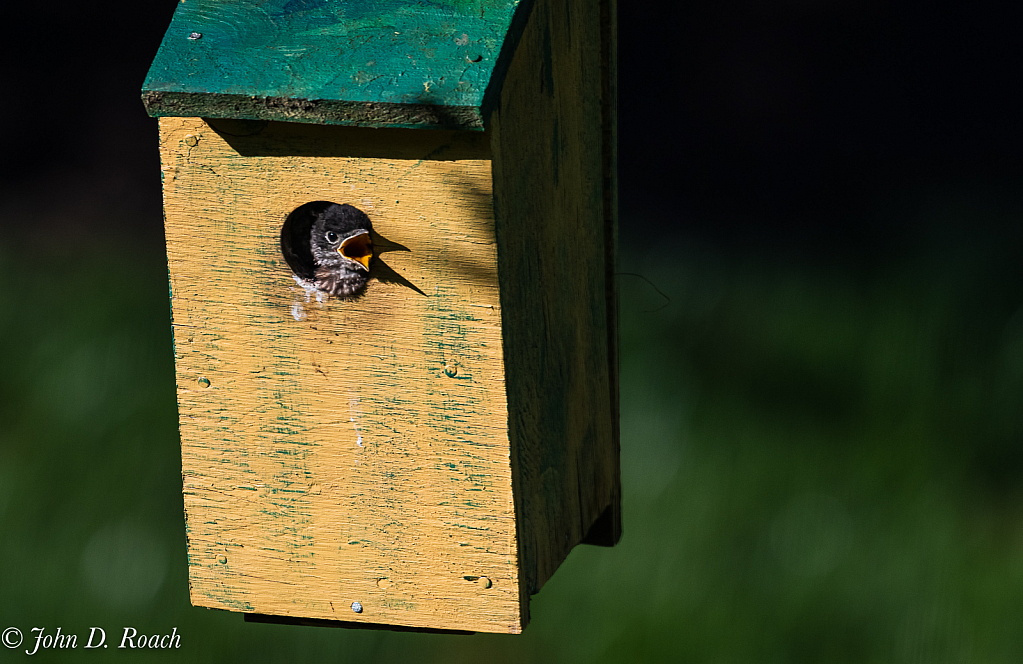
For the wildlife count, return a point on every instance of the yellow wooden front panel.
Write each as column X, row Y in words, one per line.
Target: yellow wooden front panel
column 332, row 459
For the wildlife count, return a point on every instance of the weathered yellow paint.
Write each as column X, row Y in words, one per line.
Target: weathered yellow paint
column 343, row 451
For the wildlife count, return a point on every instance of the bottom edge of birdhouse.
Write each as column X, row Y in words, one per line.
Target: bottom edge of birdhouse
column 347, row 624
column 435, row 624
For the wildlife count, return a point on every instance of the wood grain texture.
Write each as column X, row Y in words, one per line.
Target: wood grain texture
column 342, row 451
column 395, row 63
column 556, row 234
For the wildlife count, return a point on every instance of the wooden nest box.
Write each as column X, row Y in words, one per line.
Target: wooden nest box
column 425, row 452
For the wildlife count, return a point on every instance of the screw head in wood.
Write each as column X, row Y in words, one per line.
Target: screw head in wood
column 222, row 560
column 204, row 382
column 484, row 582
column 450, row 370
column 357, row 607
column 191, row 141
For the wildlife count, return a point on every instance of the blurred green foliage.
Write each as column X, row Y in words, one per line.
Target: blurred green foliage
column 821, row 463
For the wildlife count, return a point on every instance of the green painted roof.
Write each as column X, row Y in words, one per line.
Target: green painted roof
column 381, row 63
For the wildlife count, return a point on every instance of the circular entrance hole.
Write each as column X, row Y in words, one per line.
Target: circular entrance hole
column 295, row 236
column 329, row 247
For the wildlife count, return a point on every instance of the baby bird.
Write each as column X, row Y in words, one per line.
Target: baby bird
column 342, row 248
column 329, row 247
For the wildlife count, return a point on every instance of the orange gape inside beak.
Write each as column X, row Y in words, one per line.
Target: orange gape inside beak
column 358, row 248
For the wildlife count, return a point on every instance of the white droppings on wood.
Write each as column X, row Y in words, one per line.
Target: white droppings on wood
column 353, row 409
column 304, row 285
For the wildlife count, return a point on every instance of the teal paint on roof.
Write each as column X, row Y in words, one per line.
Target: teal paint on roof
column 370, row 62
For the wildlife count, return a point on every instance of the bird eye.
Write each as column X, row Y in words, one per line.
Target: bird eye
column 331, row 237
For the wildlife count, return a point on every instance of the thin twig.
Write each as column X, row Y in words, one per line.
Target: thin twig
column 653, row 285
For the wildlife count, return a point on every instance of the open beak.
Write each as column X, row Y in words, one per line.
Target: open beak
column 358, row 248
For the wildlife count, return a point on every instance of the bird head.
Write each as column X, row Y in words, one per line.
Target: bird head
column 341, row 239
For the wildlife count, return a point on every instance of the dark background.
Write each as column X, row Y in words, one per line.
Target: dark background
column 822, row 424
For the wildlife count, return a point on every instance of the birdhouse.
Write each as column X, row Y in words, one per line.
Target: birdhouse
column 391, row 234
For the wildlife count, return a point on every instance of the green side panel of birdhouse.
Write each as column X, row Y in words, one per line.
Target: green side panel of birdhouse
column 381, row 63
